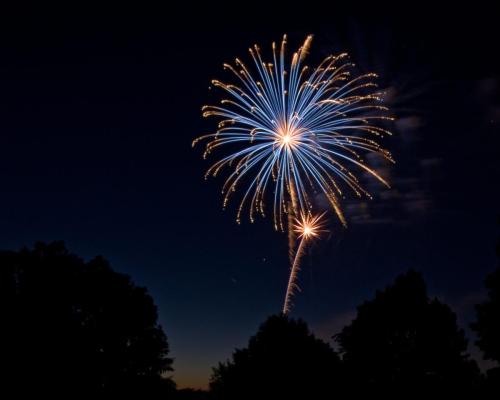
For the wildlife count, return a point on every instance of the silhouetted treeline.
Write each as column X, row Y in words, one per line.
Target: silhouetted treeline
column 283, row 360
column 487, row 326
column 402, row 341
column 401, row 344
column 73, row 327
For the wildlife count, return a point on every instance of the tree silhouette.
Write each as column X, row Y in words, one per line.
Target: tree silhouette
column 283, row 360
column 71, row 326
column 487, row 325
column 191, row 394
column 404, row 342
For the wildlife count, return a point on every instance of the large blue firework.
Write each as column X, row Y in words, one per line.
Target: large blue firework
column 293, row 131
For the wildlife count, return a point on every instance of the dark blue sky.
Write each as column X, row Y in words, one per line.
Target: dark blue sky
column 97, row 116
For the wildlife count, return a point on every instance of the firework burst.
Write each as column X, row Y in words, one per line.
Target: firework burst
column 292, row 132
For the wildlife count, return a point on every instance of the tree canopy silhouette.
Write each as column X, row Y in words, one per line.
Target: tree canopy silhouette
column 487, row 324
column 403, row 340
column 75, row 326
column 191, row 394
column 283, row 360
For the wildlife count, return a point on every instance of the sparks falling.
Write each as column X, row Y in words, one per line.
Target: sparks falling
column 293, row 132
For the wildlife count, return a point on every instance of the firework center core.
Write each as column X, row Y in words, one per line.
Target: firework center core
column 287, row 137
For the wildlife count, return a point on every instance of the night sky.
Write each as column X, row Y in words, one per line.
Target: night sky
column 97, row 115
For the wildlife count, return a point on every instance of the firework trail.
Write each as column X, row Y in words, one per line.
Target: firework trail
column 292, row 132
column 306, row 228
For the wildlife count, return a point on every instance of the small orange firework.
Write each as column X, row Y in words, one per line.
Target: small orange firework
column 307, row 227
